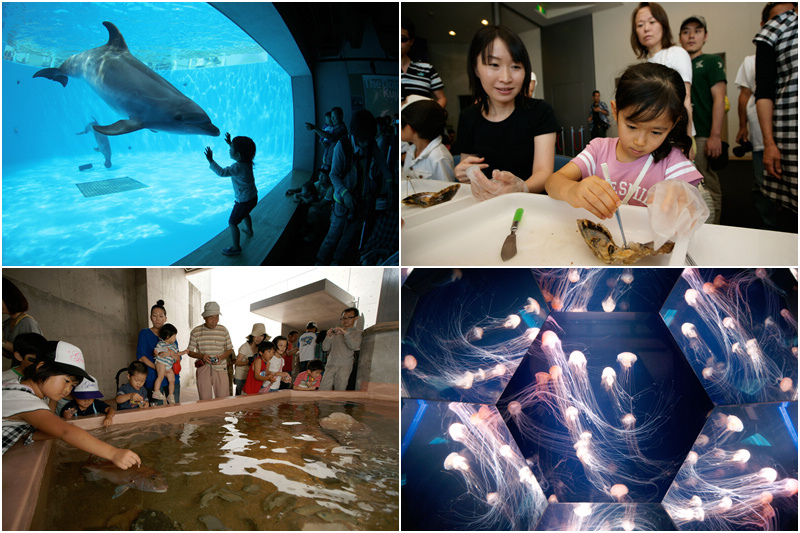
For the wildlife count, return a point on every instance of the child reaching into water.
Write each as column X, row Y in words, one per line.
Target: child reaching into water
column 652, row 146
column 26, row 417
column 166, row 352
column 242, row 150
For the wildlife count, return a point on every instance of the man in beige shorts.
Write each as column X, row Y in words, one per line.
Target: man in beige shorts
column 210, row 343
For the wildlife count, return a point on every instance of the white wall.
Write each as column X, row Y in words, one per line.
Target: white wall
column 732, row 26
column 237, row 287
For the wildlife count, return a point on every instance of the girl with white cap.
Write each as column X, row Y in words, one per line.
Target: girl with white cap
column 55, row 373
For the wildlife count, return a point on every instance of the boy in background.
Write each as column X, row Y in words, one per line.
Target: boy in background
column 133, row 394
column 87, row 402
column 307, row 345
column 310, row 379
column 26, row 346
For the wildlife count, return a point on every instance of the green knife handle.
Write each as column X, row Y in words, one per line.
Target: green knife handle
column 518, row 215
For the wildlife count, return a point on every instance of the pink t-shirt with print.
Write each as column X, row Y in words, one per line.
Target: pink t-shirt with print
column 623, row 175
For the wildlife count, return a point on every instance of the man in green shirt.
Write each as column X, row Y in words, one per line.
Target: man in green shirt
column 708, row 105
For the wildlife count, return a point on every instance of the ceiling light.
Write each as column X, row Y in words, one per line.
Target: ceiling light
column 485, row 22
column 451, row 32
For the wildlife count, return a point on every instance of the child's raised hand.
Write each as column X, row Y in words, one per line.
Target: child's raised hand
column 595, row 195
column 227, row 137
column 209, row 154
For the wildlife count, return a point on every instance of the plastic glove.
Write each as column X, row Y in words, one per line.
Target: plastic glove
column 676, row 210
column 502, row 183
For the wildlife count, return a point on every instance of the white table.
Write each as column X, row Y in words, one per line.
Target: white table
column 464, row 232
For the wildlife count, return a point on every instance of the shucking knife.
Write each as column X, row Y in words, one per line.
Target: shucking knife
column 509, row 249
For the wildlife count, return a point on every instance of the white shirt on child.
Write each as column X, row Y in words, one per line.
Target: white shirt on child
column 434, row 163
column 623, row 175
column 275, row 365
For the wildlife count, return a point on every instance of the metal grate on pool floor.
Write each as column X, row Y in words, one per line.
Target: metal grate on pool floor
column 112, row 186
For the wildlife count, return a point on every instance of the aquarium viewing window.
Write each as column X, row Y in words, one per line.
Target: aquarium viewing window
column 153, row 198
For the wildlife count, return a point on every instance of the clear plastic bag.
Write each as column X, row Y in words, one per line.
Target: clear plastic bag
column 676, row 210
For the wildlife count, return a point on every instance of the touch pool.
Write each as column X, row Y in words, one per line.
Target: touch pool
column 269, row 466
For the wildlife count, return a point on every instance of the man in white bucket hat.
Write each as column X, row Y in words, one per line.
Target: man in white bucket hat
column 210, row 343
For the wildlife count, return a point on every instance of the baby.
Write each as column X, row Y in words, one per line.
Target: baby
column 166, row 352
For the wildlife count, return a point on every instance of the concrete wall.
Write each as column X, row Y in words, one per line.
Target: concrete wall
column 102, row 310
column 94, row 309
column 379, row 359
column 732, row 27
column 183, row 305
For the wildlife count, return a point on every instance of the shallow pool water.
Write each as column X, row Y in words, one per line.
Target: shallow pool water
column 271, row 467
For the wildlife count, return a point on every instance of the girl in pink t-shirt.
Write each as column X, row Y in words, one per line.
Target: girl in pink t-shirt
column 652, row 146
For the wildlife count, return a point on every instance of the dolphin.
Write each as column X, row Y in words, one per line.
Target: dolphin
column 132, row 89
column 103, row 145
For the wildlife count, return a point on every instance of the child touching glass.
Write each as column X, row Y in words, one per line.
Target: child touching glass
column 242, row 150
column 166, row 353
column 427, row 158
column 310, row 378
column 652, row 146
column 87, row 402
column 26, row 416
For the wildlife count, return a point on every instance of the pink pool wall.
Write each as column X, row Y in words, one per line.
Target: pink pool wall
column 24, row 467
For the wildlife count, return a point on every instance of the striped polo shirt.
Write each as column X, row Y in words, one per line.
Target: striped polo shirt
column 421, row 79
column 213, row 342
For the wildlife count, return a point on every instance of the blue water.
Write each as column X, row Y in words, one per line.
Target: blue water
column 46, row 219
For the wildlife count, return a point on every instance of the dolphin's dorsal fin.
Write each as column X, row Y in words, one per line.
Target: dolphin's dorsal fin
column 115, row 39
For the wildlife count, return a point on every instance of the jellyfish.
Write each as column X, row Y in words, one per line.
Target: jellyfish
column 500, row 477
column 410, row 362
column 619, row 492
column 512, row 321
column 730, row 484
column 463, row 353
column 743, row 358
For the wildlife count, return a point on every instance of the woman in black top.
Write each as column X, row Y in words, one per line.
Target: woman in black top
column 508, row 135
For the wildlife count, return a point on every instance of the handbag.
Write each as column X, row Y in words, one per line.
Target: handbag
column 252, row 385
column 176, row 366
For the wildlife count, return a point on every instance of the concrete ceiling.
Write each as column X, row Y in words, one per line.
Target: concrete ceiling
column 433, row 20
column 321, row 301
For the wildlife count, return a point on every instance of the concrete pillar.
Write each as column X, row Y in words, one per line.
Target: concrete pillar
column 379, row 360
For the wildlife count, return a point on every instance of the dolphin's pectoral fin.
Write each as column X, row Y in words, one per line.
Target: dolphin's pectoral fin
column 52, row 74
column 119, row 127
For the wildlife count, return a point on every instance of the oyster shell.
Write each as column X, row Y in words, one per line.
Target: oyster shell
column 427, row 199
column 601, row 243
